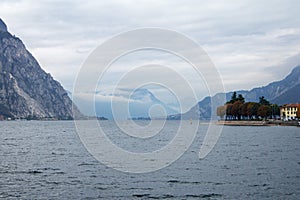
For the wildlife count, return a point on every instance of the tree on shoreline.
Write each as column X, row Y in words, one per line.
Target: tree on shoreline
column 241, row 98
column 233, row 99
column 264, row 111
column 263, row 101
column 221, row 111
column 228, row 111
column 275, row 110
column 238, row 109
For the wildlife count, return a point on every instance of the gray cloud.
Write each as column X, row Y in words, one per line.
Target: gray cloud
column 247, row 40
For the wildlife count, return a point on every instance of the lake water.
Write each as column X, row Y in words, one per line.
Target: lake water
column 46, row 160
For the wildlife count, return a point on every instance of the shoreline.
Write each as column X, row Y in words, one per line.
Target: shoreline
column 257, row 123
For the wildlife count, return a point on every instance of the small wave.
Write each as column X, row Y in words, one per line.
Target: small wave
column 52, row 182
column 58, row 173
column 9, row 144
column 148, row 196
column 268, row 188
column 202, row 195
column 85, row 164
column 173, row 181
column 140, row 195
column 134, row 188
column 167, row 196
column 49, row 169
column 34, row 172
column 289, row 194
column 8, row 196
column 184, row 182
column 101, row 188
column 257, row 185
column 22, row 172
column 59, row 154
column 217, row 183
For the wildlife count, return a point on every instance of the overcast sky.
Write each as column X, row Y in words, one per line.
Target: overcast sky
column 251, row 42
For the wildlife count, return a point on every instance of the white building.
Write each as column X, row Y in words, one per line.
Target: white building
column 289, row 111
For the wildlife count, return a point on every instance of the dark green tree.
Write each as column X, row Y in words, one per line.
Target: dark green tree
column 275, row 109
column 263, row 101
column 241, row 98
column 233, row 98
column 264, row 111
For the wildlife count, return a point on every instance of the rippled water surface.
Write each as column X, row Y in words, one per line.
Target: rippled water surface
column 46, row 160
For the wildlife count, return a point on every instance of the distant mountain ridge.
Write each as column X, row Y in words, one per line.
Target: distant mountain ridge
column 139, row 105
column 144, row 101
column 278, row 92
column 26, row 91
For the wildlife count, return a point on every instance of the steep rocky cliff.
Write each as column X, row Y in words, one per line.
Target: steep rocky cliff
column 26, row 90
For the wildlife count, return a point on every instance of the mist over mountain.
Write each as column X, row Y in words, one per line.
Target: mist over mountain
column 139, row 105
column 26, row 90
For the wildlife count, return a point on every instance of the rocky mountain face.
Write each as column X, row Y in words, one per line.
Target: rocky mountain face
column 3, row 26
column 279, row 92
column 26, row 91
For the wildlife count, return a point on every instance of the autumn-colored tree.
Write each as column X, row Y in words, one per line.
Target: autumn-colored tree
column 229, row 111
column 244, row 110
column 236, row 109
column 264, row 111
column 252, row 109
column 221, row 111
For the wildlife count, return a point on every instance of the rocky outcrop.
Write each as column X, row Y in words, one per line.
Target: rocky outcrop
column 3, row 26
column 26, row 90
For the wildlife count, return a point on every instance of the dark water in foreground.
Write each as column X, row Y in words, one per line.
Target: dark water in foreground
column 46, row 160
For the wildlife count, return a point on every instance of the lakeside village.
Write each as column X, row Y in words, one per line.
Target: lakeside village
column 238, row 112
